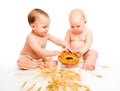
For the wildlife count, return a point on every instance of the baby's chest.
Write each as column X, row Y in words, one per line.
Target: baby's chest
column 42, row 42
column 78, row 37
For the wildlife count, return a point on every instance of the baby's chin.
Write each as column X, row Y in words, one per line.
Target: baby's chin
column 77, row 32
column 43, row 34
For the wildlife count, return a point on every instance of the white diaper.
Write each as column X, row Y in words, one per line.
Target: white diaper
column 22, row 56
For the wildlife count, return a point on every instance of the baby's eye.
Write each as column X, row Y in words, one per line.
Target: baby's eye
column 44, row 27
column 72, row 26
column 78, row 26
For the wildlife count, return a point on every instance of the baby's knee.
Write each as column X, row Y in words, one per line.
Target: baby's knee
column 19, row 64
column 95, row 53
column 22, row 62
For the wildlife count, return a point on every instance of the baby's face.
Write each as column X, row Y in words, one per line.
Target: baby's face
column 77, row 24
column 77, row 21
column 42, row 25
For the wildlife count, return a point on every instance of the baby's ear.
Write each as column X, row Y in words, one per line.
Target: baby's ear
column 32, row 25
column 85, row 21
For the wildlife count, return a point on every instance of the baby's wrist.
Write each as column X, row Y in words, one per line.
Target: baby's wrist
column 55, row 53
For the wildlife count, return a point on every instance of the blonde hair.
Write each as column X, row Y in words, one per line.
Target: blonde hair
column 34, row 14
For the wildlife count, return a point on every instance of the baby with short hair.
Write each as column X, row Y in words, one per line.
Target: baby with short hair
column 79, row 37
column 34, row 53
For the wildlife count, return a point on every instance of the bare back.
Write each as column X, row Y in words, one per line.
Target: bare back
column 33, row 44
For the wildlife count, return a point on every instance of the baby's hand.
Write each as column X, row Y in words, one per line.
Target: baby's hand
column 67, row 48
column 77, row 52
column 56, row 53
column 81, row 52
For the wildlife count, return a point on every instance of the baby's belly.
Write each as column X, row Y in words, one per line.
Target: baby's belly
column 76, row 45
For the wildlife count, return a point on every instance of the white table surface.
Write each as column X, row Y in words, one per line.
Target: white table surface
column 10, row 80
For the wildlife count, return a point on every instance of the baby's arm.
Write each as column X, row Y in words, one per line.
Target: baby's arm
column 36, row 47
column 67, row 37
column 88, row 42
column 67, row 40
column 57, row 41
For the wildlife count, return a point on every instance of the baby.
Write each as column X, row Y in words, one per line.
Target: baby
column 33, row 54
column 79, row 37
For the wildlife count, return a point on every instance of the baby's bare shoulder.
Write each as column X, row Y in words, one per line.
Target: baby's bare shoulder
column 31, row 35
column 68, row 31
column 34, row 38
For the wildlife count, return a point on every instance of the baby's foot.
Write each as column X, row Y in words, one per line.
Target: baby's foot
column 48, row 58
column 50, row 64
column 41, row 64
column 88, row 66
column 25, row 63
column 71, row 66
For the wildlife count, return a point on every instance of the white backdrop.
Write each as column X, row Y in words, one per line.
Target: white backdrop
column 103, row 17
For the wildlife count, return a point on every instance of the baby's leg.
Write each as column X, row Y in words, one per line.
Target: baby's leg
column 71, row 66
column 51, row 63
column 49, row 58
column 48, row 62
column 89, row 60
column 26, row 63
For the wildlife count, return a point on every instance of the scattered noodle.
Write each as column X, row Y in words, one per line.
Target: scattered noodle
column 103, row 66
column 86, row 88
column 60, row 80
column 24, row 84
column 31, row 87
column 39, row 89
column 99, row 76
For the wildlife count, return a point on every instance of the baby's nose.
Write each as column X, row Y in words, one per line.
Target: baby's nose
column 46, row 29
column 75, row 28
